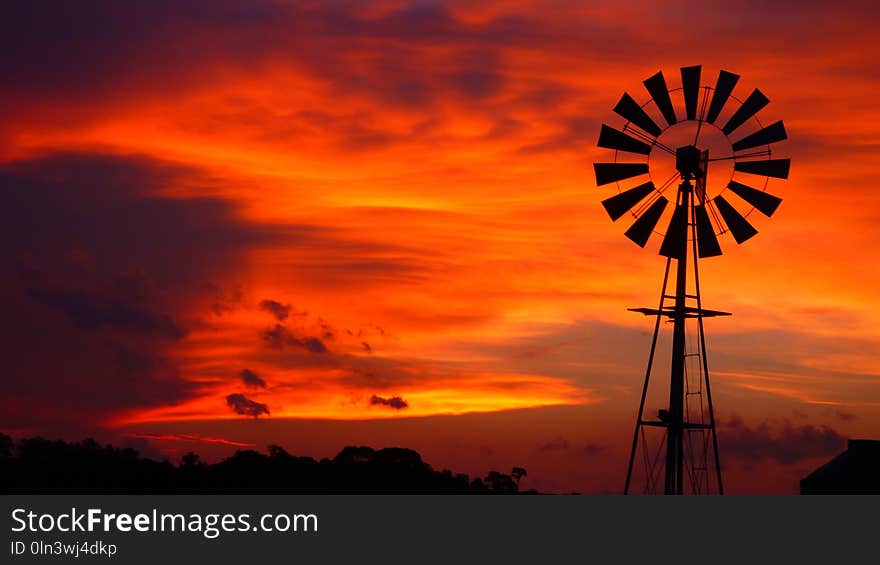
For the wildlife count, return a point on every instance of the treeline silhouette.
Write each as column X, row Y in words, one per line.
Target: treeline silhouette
column 40, row 466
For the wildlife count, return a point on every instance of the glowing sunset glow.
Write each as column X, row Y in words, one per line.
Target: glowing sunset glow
column 362, row 202
column 459, row 398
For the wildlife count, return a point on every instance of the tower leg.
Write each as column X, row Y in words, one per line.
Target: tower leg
column 704, row 358
column 674, row 480
column 635, row 442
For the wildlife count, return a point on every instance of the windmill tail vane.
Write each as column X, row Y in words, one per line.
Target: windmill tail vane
column 711, row 146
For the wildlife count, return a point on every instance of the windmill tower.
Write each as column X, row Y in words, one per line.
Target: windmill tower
column 714, row 150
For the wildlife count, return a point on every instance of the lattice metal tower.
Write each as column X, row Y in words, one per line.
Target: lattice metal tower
column 706, row 205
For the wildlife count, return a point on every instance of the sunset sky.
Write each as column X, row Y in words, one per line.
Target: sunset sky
column 228, row 224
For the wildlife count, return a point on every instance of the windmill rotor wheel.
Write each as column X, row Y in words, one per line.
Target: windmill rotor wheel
column 701, row 135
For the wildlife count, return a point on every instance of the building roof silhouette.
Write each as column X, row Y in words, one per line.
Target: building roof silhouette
column 855, row 471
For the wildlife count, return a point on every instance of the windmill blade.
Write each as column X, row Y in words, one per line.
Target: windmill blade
column 612, row 172
column 620, row 204
column 690, row 85
column 707, row 243
column 675, row 241
column 656, row 86
column 630, row 110
column 766, row 136
column 738, row 225
column 762, row 201
column 776, row 168
column 749, row 108
column 611, row 138
column 641, row 229
column 723, row 89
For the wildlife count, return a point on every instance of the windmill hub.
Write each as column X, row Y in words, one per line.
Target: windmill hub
column 688, row 162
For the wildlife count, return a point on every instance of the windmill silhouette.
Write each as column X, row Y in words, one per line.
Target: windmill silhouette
column 683, row 151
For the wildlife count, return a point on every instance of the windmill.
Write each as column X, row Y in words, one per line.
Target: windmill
column 714, row 148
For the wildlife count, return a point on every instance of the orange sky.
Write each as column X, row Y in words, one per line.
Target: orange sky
column 414, row 180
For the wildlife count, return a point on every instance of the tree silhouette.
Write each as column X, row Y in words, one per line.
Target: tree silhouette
column 191, row 460
column 518, row 473
column 37, row 465
column 500, row 483
column 6, row 446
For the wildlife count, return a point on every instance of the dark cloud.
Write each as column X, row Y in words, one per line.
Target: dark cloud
column 61, row 380
column 96, row 273
column 277, row 309
column 108, row 207
column 143, row 375
column 312, row 344
column 381, row 373
column 786, row 444
column 251, row 379
column 55, row 56
column 122, row 303
column 478, row 84
column 224, row 301
column 547, row 95
column 557, row 444
column 84, row 351
column 102, row 47
column 480, row 75
column 101, row 274
column 593, row 448
column 91, row 252
column 574, row 133
column 279, row 337
column 327, row 331
column 133, row 285
column 560, row 444
column 240, row 404
column 28, row 270
column 130, row 361
column 395, row 402
column 89, row 311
